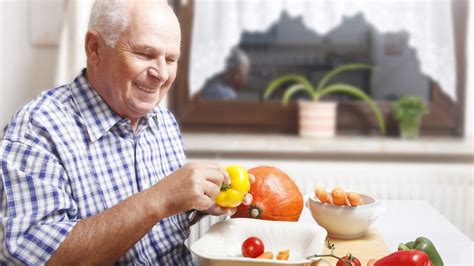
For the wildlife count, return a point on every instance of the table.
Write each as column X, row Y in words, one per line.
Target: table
column 405, row 220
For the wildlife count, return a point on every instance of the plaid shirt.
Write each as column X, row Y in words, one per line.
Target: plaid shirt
column 67, row 156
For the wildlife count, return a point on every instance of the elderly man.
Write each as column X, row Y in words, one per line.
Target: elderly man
column 93, row 171
column 225, row 85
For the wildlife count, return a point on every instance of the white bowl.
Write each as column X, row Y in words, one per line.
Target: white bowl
column 221, row 245
column 345, row 222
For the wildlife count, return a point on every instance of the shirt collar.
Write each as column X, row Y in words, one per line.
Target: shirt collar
column 98, row 117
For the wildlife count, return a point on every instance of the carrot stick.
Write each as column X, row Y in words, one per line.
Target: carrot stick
column 283, row 255
column 266, row 255
column 354, row 199
column 323, row 195
column 339, row 196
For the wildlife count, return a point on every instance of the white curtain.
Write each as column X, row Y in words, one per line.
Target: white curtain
column 71, row 54
column 218, row 25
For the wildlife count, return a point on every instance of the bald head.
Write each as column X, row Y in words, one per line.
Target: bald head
column 112, row 17
column 157, row 14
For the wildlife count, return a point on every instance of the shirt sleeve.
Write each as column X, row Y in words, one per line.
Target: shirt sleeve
column 36, row 211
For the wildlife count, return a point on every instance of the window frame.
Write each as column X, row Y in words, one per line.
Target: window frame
column 354, row 117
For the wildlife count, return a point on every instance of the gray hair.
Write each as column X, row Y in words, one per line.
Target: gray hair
column 110, row 19
column 236, row 58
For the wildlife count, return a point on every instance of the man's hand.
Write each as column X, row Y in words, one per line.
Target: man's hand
column 193, row 186
column 217, row 210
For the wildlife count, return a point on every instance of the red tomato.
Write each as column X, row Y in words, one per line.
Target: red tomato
column 348, row 260
column 253, row 247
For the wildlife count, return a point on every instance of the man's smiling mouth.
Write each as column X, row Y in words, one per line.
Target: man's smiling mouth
column 145, row 89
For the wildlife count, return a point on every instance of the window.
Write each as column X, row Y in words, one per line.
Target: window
column 304, row 47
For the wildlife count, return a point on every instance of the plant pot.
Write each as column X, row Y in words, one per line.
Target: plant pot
column 410, row 128
column 317, row 119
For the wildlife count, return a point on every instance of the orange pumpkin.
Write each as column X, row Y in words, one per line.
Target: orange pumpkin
column 275, row 196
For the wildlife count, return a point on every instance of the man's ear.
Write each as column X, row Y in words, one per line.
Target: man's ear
column 92, row 47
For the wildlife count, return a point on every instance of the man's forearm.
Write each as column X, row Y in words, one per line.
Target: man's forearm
column 103, row 238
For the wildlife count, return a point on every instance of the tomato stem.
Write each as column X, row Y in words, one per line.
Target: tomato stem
column 346, row 262
column 324, row 255
column 331, row 247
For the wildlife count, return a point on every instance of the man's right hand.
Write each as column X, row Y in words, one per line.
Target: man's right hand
column 116, row 230
column 193, row 186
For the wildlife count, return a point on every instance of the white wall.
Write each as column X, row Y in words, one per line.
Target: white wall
column 25, row 70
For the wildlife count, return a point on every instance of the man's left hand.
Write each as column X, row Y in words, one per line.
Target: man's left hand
column 217, row 210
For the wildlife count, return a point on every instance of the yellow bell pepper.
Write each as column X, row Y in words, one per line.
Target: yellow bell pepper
column 233, row 194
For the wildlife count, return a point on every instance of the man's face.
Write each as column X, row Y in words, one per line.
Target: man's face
column 140, row 70
column 242, row 76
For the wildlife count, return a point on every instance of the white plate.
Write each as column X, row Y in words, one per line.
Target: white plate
column 221, row 245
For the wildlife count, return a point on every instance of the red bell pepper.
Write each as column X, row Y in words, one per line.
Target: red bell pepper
column 405, row 258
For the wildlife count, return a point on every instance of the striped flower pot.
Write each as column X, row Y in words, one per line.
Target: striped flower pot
column 317, row 119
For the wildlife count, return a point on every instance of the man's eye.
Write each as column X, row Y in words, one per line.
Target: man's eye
column 144, row 55
column 171, row 60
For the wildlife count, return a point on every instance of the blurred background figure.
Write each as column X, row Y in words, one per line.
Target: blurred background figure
column 225, row 85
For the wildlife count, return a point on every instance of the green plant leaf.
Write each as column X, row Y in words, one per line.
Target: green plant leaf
column 293, row 89
column 409, row 107
column 356, row 92
column 283, row 79
column 347, row 67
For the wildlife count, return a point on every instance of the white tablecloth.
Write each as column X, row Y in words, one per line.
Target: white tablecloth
column 405, row 220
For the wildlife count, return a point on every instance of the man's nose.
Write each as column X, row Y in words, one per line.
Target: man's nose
column 159, row 70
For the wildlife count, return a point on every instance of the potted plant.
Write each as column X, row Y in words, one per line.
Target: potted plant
column 318, row 118
column 408, row 111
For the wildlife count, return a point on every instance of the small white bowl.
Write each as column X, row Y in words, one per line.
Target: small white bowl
column 345, row 222
column 221, row 245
